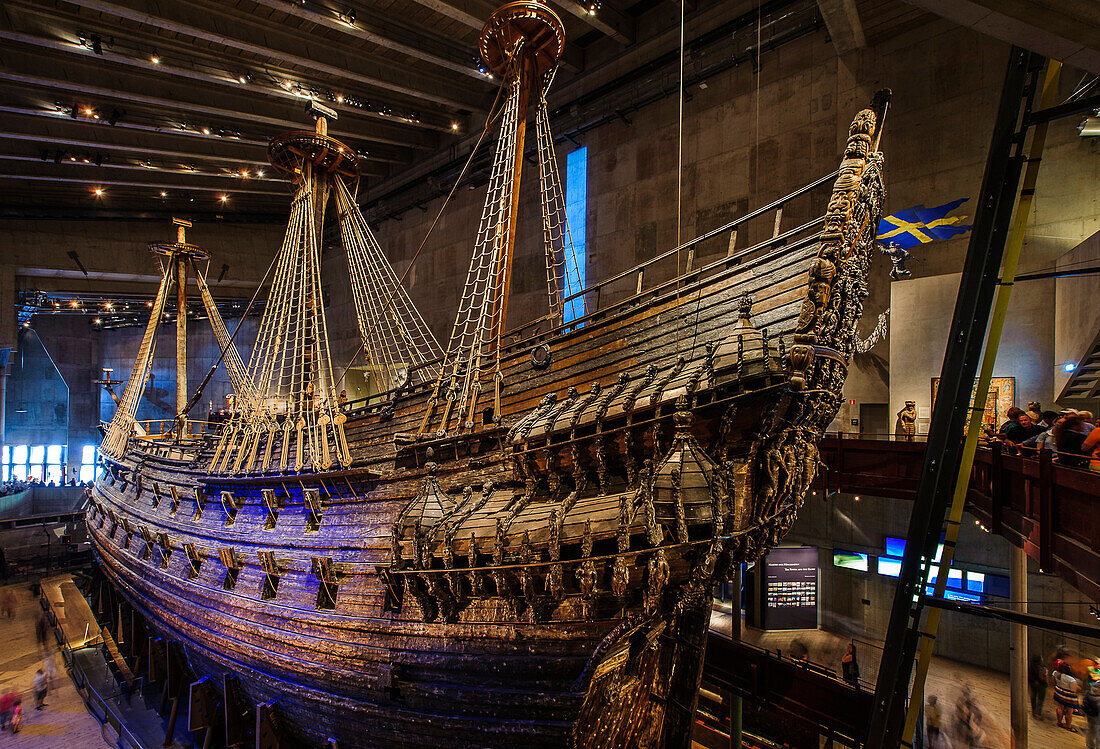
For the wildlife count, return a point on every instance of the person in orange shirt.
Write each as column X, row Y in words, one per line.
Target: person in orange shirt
column 1091, row 447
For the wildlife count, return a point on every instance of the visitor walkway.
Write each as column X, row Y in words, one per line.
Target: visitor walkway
column 946, row 679
column 64, row 722
column 1046, row 509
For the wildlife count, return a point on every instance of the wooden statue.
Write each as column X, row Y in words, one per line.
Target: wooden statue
column 906, row 425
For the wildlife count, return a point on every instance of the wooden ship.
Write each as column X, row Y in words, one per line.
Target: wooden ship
column 517, row 539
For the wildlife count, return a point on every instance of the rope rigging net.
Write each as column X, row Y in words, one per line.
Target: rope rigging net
column 399, row 345
column 523, row 43
column 122, row 423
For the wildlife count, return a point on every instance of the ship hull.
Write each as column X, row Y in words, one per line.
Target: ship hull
column 538, row 568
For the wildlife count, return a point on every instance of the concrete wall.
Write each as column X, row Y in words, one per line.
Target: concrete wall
column 921, row 310
column 1077, row 314
column 858, row 603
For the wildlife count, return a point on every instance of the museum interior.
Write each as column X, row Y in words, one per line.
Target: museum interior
column 553, row 373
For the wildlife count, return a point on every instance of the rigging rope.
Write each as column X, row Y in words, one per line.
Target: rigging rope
column 395, row 336
column 118, row 432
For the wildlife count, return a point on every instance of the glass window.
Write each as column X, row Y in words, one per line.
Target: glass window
column 87, row 473
column 38, row 454
column 87, row 454
column 53, row 453
column 53, row 473
column 576, row 210
column 19, row 454
column 19, row 472
column 975, row 582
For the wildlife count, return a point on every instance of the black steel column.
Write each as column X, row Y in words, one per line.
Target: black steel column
column 951, row 408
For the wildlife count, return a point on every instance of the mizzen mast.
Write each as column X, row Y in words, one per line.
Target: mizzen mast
column 522, row 43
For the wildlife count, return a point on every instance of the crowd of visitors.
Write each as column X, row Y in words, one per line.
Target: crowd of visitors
column 15, row 486
column 1076, row 691
column 1071, row 434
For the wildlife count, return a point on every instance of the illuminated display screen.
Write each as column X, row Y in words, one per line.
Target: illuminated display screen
column 851, row 560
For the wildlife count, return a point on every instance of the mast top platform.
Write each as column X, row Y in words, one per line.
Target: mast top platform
column 181, row 248
column 287, row 153
column 529, row 21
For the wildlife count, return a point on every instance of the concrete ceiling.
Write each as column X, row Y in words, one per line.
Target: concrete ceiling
column 168, row 106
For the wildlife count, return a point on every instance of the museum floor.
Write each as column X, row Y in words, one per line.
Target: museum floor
column 945, row 678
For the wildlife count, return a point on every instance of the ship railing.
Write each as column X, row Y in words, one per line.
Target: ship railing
column 158, row 429
column 676, row 268
column 664, row 273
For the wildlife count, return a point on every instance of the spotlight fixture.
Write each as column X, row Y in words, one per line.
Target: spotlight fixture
column 244, row 77
column 348, row 16
column 163, row 194
column 1069, row 367
column 97, row 44
column 99, row 192
column 593, row 7
column 74, row 304
column 89, row 111
column 259, row 172
column 454, row 126
column 339, row 98
column 224, row 198
column 155, row 58
column 206, row 131
column 1090, row 126
column 99, row 321
column 244, row 172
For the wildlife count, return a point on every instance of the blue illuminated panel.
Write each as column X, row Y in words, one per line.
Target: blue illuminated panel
column 576, row 210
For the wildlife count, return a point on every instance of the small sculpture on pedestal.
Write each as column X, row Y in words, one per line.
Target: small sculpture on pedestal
column 906, row 426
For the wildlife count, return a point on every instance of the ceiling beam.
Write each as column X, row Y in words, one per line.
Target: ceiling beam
column 190, row 108
column 466, row 12
column 306, row 63
column 611, row 22
column 63, row 121
column 359, row 31
column 153, row 185
column 842, row 21
column 1067, row 32
column 438, row 123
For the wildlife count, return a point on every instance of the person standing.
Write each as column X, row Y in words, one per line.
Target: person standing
column 849, row 665
column 40, row 688
column 1037, row 678
column 1066, row 689
column 1090, row 706
column 933, row 719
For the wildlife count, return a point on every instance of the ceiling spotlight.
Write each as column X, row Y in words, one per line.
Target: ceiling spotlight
column 206, row 131
column 163, row 194
column 224, row 198
column 89, row 111
column 155, row 58
column 1069, row 367
column 99, row 192
column 348, row 16
column 74, row 304
column 592, row 8
column 86, row 160
column 244, row 172
column 99, row 321
column 244, row 77
column 259, row 172
column 339, row 98
column 454, row 126
column 148, row 304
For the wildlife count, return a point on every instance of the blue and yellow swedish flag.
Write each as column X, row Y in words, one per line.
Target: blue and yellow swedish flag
column 920, row 225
